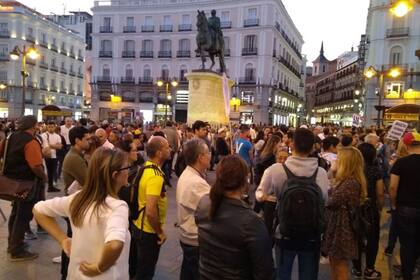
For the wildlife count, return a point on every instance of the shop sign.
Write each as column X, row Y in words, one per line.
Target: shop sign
column 401, row 117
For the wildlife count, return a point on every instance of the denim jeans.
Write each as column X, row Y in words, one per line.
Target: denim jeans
column 393, row 232
column 308, row 263
column 189, row 268
column 19, row 220
column 408, row 224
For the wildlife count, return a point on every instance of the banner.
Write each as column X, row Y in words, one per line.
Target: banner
column 397, row 130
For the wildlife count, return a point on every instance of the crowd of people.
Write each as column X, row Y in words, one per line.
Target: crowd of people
column 315, row 193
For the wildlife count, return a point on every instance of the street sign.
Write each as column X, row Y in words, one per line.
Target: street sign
column 397, row 130
column 401, row 116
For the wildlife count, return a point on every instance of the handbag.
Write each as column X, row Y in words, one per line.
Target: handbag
column 14, row 189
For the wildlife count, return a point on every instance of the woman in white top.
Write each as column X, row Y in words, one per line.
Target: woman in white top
column 99, row 220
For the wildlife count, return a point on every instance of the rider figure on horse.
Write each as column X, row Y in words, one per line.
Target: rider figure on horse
column 216, row 30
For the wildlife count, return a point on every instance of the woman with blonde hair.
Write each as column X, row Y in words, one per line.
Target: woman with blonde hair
column 99, row 220
column 350, row 189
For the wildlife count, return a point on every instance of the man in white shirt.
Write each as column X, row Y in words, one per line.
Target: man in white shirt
column 103, row 139
column 64, row 130
column 191, row 187
column 51, row 142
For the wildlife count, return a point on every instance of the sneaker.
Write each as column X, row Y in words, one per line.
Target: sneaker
column 324, row 260
column 23, row 256
column 53, row 189
column 388, row 252
column 357, row 274
column 56, row 259
column 29, row 235
column 372, row 274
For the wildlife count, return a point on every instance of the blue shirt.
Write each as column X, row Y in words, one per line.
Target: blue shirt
column 243, row 147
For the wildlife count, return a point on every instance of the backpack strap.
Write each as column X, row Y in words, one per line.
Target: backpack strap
column 313, row 177
column 288, row 172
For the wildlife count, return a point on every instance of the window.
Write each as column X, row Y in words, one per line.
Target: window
column 44, row 38
column 130, row 21
column 128, row 71
column 165, row 73
column 71, row 67
column 182, row 71
column 186, row 19
column 167, row 20
column 395, row 57
column 62, row 85
column 252, row 13
column 4, row 50
column 394, row 89
column 129, row 45
column 148, row 20
column 250, row 42
column 53, row 61
column 147, row 73
column 323, row 68
column 106, row 72
column 42, row 81
column 225, row 16
column 165, row 45
column 147, row 45
column 54, row 41
column 30, row 31
column 4, row 26
column 52, row 82
column 249, row 72
column 398, row 22
column 107, row 21
column 106, row 45
column 184, row 45
column 63, row 65
column 227, row 43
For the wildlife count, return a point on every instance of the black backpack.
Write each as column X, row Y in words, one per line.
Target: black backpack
column 132, row 198
column 300, row 211
column 362, row 218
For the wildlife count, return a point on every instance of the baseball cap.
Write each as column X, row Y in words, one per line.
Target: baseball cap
column 412, row 138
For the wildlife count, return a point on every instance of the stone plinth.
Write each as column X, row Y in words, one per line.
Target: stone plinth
column 206, row 101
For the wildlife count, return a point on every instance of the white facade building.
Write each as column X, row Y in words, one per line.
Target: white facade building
column 392, row 42
column 135, row 43
column 56, row 77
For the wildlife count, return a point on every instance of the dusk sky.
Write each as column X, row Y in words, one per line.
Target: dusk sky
column 338, row 23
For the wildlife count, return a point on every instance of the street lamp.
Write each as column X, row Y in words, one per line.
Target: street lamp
column 370, row 73
column 401, row 7
column 2, row 86
column 173, row 84
column 33, row 54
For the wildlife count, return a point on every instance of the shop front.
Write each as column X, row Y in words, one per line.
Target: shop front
column 408, row 113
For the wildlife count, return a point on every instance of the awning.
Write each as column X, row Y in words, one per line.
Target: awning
column 56, row 111
column 403, row 112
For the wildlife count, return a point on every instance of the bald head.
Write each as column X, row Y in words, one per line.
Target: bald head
column 155, row 145
column 101, row 134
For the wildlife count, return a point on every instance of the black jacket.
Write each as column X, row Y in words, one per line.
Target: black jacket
column 262, row 165
column 233, row 245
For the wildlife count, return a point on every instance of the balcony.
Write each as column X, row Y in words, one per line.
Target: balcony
column 30, row 38
column 30, row 62
column 43, row 44
column 54, row 68
column 80, row 93
column 249, row 51
column 185, row 27
column 128, row 54
column 146, row 54
column 72, row 54
column 165, row 28
column 226, row 52
column 53, row 88
column 146, row 99
column 105, row 29
column 397, row 32
column 165, row 54
column 251, row 22
column 147, row 28
column 4, row 34
column 248, row 80
column 226, row 24
column 105, row 98
column 42, row 86
column 80, row 75
column 63, row 90
column 72, row 73
column 63, row 70
column 145, row 80
column 128, row 80
column 54, row 47
column 290, row 67
column 294, row 48
column 105, row 54
column 80, row 58
column 128, row 99
column 43, row 64
column 183, row 53
column 129, row 29
column 103, row 79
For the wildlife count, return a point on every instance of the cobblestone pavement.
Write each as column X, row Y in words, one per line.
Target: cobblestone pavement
column 170, row 258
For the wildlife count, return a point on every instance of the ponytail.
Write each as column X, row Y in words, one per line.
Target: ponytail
column 216, row 196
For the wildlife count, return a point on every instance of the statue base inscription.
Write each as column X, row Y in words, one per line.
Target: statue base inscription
column 206, row 100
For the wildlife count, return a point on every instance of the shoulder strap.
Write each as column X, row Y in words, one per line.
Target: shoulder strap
column 313, row 177
column 6, row 145
column 288, row 172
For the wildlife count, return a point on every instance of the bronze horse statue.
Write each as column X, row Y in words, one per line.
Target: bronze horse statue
column 209, row 41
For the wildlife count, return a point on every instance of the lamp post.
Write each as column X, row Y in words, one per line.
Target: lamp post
column 168, row 99
column 372, row 72
column 33, row 54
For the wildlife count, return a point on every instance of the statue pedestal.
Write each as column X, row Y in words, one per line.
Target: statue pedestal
column 206, row 101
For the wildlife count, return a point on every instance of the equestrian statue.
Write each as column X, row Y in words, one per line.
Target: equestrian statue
column 210, row 39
